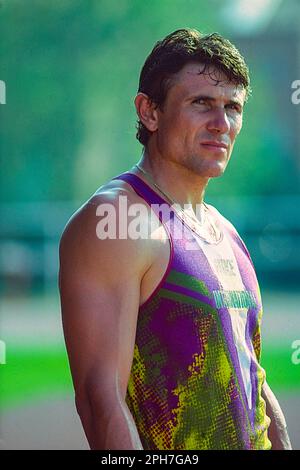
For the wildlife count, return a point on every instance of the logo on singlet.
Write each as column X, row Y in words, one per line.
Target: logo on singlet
column 234, row 299
column 225, row 266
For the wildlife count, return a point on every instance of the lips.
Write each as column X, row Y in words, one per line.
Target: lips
column 215, row 144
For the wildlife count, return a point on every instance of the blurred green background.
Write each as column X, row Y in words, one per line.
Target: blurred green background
column 71, row 70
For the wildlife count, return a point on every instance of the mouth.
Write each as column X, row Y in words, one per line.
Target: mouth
column 215, row 145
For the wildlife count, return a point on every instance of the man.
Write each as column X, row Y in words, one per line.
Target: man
column 163, row 331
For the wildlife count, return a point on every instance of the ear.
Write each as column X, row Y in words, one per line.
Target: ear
column 146, row 111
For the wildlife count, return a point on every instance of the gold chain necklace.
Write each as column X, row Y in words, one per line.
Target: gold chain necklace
column 193, row 222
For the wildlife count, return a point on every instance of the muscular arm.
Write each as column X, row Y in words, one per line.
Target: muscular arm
column 100, row 288
column 278, row 434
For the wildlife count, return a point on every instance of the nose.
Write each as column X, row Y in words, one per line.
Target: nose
column 218, row 122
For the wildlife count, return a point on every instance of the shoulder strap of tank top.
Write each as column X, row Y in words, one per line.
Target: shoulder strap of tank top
column 155, row 202
column 232, row 230
column 142, row 189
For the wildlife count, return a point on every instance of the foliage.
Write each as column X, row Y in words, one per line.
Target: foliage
column 71, row 69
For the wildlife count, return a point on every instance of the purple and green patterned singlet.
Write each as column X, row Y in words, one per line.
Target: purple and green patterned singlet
column 195, row 379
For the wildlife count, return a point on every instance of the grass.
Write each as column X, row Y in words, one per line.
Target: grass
column 39, row 373
column 31, row 373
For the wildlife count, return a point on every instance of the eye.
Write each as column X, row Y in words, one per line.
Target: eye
column 202, row 102
column 234, row 106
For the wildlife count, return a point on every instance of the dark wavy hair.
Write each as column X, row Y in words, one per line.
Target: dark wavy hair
column 177, row 49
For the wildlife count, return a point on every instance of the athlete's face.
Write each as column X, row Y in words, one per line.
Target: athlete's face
column 200, row 120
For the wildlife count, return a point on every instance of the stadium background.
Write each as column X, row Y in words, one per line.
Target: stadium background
column 71, row 70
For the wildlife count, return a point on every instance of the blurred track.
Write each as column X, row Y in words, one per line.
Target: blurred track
column 49, row 423
column 54, row 424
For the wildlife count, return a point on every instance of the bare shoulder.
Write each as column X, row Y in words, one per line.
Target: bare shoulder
column 81, row 243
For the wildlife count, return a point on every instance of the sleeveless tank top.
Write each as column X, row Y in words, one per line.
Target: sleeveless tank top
column 196, row 379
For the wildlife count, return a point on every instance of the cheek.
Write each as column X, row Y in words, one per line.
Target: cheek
column 174, row 128
column 235, row 128
column 169, row 135
column 180, row 129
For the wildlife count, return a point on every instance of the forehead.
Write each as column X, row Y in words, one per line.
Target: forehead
column 191, row 80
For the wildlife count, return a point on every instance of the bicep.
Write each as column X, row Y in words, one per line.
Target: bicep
column 99, row 328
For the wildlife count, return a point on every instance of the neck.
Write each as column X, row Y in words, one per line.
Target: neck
column 182, row 184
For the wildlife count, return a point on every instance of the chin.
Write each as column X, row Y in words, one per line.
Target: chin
column 211, row 172
column 217, row 172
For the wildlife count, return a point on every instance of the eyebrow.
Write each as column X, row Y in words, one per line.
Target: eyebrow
column 212, row 99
